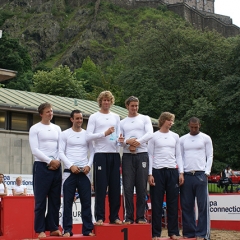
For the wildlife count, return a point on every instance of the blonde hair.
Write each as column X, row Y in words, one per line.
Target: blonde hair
column 105, row 94
column 19, row 178
column 165, row 116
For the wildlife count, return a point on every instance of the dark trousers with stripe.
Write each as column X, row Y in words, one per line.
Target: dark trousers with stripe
column 135, row 173
column 83, row 185
column 195, row 186
column 107, row 174
column 166, row 180
column 46, row 186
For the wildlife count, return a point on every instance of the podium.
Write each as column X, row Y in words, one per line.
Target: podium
column 17, row 223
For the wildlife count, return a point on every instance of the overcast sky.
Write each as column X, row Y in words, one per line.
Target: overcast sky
column 229, row 8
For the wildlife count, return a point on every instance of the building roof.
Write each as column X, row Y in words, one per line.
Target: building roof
column 24, row 101
column 6, row 74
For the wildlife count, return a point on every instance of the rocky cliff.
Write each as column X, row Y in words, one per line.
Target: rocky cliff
column 63, row 32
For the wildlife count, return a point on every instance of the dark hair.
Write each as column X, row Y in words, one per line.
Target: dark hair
column 3, row 179
column 73, row 112
column 43, row 106
column 131, row 99
column 194, row 120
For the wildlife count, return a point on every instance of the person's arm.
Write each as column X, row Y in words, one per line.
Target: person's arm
column 5, row 190
column 209, row 155
column 91, row 128
column 178, row 155
column 231, row 172
column 151, row 156
column 34, row 145
column 25, row 192
column 148, row 131
column 90, row 158
column 179, row 161
column 13, row 192
column 181, row 142
column 5, row 193
column 55, row 163
column 62, row 149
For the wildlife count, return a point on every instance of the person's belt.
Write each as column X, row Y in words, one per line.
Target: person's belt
column 192, row 173
column 137, row 153
column 69, row 171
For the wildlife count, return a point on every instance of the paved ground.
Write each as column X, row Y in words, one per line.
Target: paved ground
column 217, row 234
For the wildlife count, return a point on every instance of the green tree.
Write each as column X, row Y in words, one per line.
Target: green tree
column 170, row 64
column 172, row 67
column 89, row 74
column 60, row 81
column 94, row 80
column 22, row 82
column 13, row 55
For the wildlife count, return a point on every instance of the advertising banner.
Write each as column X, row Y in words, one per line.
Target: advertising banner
column 222, row 207
column 225, row 207
column 10, row 181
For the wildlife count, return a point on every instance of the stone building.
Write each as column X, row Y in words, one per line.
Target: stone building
column 201, row 5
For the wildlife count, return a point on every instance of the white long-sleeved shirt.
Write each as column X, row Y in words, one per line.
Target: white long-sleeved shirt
column 98, row 123
column 74, row 148
column 44, row 141
column 139, row 127
column 164, row 151
column 197, row 152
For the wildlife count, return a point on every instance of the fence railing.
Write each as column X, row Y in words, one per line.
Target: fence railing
column 228, row 188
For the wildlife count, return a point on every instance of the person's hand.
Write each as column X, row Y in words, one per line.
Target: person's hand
column 133, row 142
column 86, row 170
column 74, row 169
column 132, row 148
column 54, row 165
column 121, row 138
column 130, row 141
column 181, row 179
column 151, row 180
column 109, row 131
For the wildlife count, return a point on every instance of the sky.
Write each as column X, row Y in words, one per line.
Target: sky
column 229, row 8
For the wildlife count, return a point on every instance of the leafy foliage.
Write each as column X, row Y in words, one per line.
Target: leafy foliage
column 60, row 81
column 22, row 82
column 13, row 55
column 94, row 80
column 4, row 15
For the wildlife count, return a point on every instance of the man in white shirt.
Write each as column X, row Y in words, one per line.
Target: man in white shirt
column 197, row 154
column 103, row 129
column 136, row 130
column 73, row 151
column 165, row 175
column 47, row 173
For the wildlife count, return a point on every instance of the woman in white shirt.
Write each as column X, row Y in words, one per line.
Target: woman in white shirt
column 3, row 188
column 19, row 189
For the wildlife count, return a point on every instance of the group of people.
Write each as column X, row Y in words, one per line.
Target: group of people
column 168, row 163
column 17, row 190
